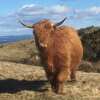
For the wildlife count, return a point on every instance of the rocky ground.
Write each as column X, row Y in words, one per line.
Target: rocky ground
column 27, row 82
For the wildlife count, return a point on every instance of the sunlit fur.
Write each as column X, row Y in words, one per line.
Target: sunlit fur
column 60, row 50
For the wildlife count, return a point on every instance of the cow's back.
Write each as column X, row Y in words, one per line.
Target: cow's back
column 66, row 48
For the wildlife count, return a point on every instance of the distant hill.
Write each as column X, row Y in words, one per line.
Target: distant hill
column 14, row 38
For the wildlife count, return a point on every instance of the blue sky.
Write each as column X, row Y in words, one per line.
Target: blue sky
column 80, row 13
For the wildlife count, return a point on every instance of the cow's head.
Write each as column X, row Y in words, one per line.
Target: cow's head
column 42, row 30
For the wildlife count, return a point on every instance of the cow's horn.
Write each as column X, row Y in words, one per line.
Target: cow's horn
column 61, row 22
column 28, row 26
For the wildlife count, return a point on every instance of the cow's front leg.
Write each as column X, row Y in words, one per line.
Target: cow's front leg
column 73, row 76
column 61, row 77
column 50, row 77
column 59, row 89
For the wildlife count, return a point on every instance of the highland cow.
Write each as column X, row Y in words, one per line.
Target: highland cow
column 60, row 51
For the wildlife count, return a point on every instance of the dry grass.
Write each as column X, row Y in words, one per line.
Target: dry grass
column 25, row 52
column 26, row 82
column 19, row 52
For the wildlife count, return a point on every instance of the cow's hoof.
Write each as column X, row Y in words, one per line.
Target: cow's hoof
column 61, row 92
column 72, row 81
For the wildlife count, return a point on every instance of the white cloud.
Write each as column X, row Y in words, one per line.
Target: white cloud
column 82, row 14
column 86, row 13
column 27, row 6
column 59, row 9
column 30, row 13
column 33, row 13
column 95, row 10
column 33, row 9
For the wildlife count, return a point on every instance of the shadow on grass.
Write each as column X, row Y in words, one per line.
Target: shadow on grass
column 13, row 86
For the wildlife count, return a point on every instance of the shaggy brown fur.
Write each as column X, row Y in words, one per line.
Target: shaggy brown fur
column 60, row 50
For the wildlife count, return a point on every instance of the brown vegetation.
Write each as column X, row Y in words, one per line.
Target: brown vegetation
column 90, row 37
